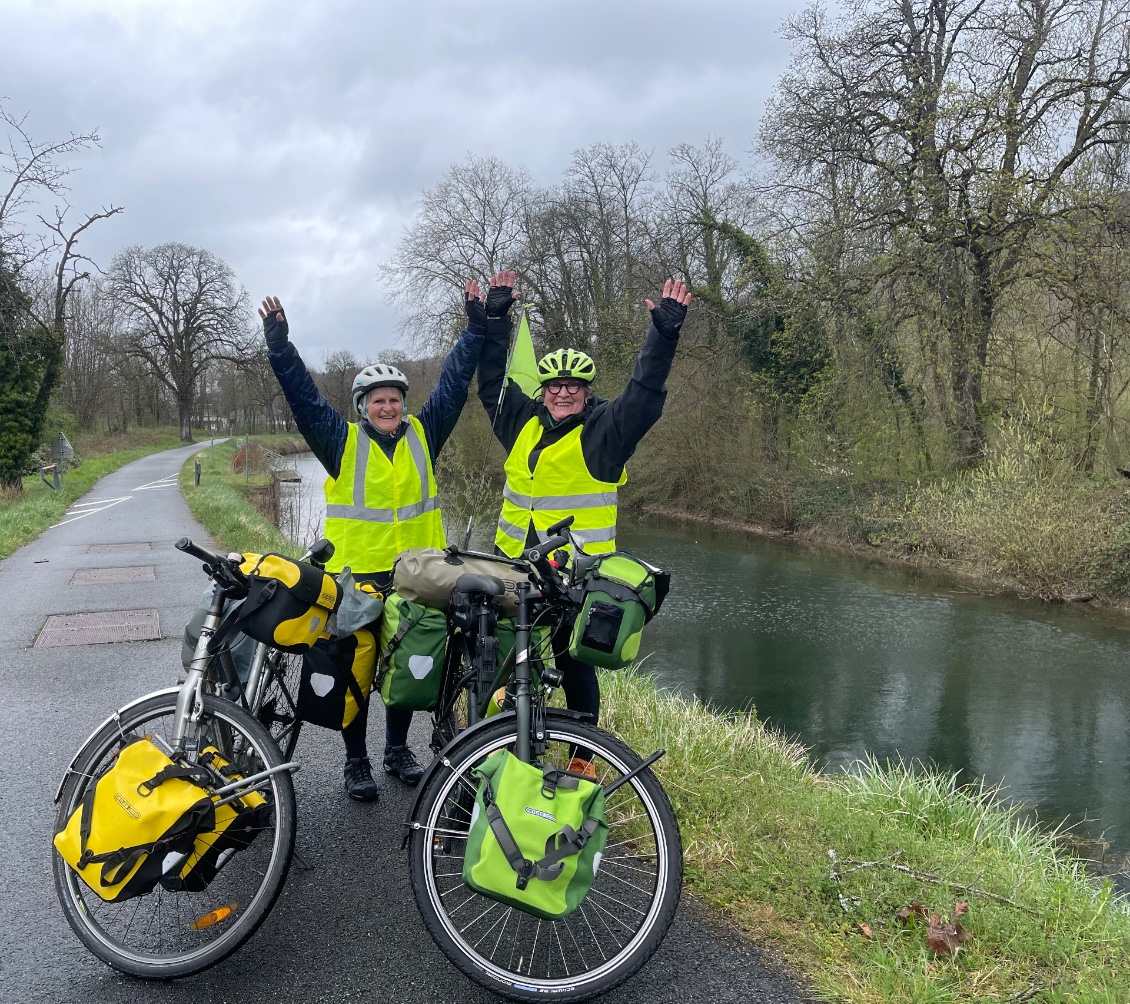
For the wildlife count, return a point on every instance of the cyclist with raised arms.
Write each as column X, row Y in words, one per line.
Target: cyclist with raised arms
column 379, row 501
column 567, row 448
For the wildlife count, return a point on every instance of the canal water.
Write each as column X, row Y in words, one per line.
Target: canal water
column 856, row 660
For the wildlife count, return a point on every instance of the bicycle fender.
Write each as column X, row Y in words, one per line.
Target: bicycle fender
column 440, row 761
column 117, row 714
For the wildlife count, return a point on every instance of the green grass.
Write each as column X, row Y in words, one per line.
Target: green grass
column 222, row 502
column 24, row 517
column 758, row 825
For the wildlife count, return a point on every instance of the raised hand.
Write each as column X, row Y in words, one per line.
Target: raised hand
column 668, row 317
column 474, row 304
column 276, row 330
column 502, row 293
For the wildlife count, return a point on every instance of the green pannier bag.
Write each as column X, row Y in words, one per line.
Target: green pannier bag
column 506, row 633
column 337, row 675
column 536, row 837
column 621, row 594
column 413, row 645
column 288, row 603
column 137, row 822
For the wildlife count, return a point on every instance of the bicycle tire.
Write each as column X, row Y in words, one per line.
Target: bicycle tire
column 438, row 900
column 99, row 925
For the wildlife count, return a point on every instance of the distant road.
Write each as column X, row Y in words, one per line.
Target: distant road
column 348, row 930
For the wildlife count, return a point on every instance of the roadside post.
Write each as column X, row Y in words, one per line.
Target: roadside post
column 246, row 460
column 197, row 472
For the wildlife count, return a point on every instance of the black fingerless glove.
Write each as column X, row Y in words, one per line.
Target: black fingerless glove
column 499, row 300
column 668, row 317
column 476, row 311
column 275, row 331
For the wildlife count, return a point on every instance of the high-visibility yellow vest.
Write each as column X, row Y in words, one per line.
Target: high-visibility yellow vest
column 559, row 486
column 376, row 509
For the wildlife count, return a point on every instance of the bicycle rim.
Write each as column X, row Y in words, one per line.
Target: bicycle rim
column 172, row 931
column 615, row 930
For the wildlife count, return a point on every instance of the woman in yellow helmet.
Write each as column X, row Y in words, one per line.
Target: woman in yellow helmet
column 567, row 447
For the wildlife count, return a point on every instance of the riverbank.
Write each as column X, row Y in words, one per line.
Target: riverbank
column 25, row 516
column 758, row 824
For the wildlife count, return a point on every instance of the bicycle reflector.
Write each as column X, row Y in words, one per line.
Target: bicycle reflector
column 213, row 917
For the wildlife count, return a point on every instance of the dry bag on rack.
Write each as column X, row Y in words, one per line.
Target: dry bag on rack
column 413, row 645
column 621, row 594
column 337, row 675
column 427, row 575
column 288, row 603
column 536, row 836
column 137, row 823
column 238, row 823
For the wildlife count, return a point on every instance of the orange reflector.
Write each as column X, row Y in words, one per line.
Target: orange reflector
column 213, row 917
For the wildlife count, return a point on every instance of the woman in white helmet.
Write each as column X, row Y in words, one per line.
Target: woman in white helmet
column 379, row 501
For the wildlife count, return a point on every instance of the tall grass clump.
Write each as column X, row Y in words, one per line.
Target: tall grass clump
column 819, row 866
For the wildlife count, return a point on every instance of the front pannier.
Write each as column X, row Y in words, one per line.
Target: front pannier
column 137, row 823
column 238, row 823
column 413, row 646
column 288, row 603
column 536, row 836
column 621, row 594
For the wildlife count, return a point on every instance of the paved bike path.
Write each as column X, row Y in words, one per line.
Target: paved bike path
column 346, row 930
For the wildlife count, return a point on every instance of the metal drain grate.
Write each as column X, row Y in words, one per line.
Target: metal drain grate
column 141, row 545
column 110, row 576
column 99, row 628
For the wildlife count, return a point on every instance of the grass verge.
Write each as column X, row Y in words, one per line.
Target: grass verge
column 24, row 517
column 760, row 826
column 222, row 500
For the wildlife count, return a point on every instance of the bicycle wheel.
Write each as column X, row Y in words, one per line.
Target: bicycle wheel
column 610, row 936
column 278, row 709
column 169, row 932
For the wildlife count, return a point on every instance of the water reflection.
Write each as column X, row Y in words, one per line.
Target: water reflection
column 853, row 659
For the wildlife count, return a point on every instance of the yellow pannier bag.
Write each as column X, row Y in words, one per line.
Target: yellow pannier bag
column 288, row 603
column 238, row 823
column 137, row 822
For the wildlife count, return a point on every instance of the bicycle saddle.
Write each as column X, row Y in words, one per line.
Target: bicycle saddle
column 471, row 582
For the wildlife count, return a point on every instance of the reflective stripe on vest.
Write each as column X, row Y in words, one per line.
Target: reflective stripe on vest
column 375, row 508
column 559, row 486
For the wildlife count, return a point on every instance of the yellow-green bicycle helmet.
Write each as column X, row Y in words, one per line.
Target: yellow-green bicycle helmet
column 565, row 364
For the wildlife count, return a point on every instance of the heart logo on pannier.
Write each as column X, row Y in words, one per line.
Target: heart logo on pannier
column 321, row 684
column 420, row 666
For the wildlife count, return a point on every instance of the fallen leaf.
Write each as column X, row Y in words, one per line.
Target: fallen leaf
column 865, row 929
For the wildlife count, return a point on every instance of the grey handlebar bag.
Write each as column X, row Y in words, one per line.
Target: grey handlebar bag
column 427, row 575
column 358, row 609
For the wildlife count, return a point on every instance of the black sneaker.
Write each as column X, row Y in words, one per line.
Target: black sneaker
column 359, row 783
column 400, row 760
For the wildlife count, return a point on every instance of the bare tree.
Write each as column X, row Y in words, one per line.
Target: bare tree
column 184, row 309
column 966, row 118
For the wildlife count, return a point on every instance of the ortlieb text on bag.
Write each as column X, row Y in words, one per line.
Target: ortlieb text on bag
column 413, row 646
column 621, row 594
column 137, row 823
column 536, row 836
column 337, row 675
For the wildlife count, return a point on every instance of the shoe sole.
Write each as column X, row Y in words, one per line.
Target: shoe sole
column 363, row 798
column 401, row 777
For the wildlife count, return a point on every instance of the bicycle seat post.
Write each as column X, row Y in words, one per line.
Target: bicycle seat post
column 522, row 677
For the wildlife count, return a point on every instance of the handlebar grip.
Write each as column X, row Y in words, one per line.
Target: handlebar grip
column 202, row 553
column 560, row 525
column 545, row 548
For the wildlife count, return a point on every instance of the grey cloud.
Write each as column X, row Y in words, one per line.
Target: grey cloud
column 292, row 139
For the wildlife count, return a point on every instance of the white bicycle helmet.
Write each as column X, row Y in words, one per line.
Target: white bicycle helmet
column 377, row 375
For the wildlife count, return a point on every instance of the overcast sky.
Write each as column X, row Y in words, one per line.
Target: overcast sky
column 293, row 139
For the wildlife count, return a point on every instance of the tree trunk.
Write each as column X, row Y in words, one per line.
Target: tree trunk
column 184, row 407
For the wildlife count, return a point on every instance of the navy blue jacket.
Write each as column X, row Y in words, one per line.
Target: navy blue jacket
column 325, row 430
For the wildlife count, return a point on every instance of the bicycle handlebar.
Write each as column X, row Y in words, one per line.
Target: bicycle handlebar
column 202, row 553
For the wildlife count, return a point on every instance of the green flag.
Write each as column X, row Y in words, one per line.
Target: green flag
column 523, row 369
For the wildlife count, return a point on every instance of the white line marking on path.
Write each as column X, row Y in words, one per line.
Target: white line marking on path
column 107, row 503
column 171, row 481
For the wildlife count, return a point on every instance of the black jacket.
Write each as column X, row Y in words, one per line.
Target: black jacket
column 611, row 429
